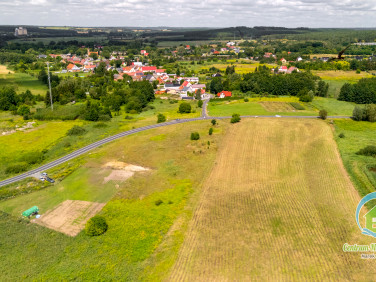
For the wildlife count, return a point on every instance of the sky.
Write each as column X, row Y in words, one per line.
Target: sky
column 189, row 13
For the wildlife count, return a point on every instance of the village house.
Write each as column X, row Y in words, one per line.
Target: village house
column 224, row 94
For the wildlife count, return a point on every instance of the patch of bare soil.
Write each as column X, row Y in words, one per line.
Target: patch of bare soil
column 70, row 216
column 121, row 171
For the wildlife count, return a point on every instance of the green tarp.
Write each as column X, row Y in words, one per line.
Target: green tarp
column 30, row 211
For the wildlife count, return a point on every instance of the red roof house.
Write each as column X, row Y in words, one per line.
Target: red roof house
column 224, row 94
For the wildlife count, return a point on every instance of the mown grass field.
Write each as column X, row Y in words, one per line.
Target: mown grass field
column 143, row 238
column 280, row 106
column 21, row 81
column 268, row 212
column 255, row 107
column 357, row 135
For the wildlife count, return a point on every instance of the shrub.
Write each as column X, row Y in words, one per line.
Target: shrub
column 161, row 118
column 195, row 136
column 235, row 118
column 341, row 135
column 100, row 125
column 306, row 98
column 76, row 130
column 200, row 103
column 210, row 131
column 104, row 118
column 32, row 157
column 128, row 117
column 368, row 151
column 323, row 114
column 246, row 99
column 16, row 167
column 213, row 122
column 185, row 108
column 297, row 106
column 158, row 202
column 359, row 113
column 133, row 112
column 96, row 225
column 23, row 110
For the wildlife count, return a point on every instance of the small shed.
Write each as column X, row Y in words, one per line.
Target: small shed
column 31, row 211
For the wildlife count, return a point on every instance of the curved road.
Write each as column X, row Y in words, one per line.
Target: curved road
column 94, row 145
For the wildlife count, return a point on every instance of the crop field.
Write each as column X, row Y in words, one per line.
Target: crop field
column 271, row 213
column 351, row 76
column 277, row 107
column 357, row 135
column 21, row 81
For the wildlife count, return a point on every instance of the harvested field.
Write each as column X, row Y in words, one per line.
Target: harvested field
column 277, row 106
column 277, row 206
column 70, row 216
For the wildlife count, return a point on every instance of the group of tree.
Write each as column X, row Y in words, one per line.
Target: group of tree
column 367, row 113
column 362, row 92
column 18, row 103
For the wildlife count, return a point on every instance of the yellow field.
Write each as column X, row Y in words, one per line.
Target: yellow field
column 278, row 205
column 4, row 70
column 341, row 75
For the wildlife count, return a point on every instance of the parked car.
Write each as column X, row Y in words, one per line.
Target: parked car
column 42, row 178
column 44, row 173
column 50, row 180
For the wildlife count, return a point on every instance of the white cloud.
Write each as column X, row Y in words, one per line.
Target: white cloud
column 215, row 13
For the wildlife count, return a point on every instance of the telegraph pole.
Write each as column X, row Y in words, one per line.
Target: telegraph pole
column 49, row 84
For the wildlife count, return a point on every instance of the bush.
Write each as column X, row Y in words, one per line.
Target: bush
column 341, row 135
column 323, row 114
column 23, row 110
column 161, row 118
column 128, row 117
column 210, row 131
column 158, row 202
column 76, row 130
column 246, row 99
column 32, row 157
column 235, row 118
column 368, row 151
column 100, row 125
column 96, row 225
column 297, row 106
column 104, row 118
column 306, row 98
column 213, row 122
column 195, row 136
column 359, row 113
column 200, row 103
column 185, row 108
column 16, row 167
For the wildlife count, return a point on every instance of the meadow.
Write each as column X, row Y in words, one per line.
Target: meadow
column 21, row 81
column 279, row 106
column 143, row 237
column 51, row 138
column 357, row 135
column 271, row 213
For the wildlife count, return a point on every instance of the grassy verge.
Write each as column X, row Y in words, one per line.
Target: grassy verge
column 357, row 135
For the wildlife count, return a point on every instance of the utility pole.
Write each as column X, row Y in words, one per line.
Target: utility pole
column 49, row 84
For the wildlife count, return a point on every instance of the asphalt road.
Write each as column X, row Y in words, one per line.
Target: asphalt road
column 94, row 145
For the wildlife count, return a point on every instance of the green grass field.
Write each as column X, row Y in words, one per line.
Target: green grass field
column 22, row 82
column 140, row 243
column 357, row 136
column 255, row 107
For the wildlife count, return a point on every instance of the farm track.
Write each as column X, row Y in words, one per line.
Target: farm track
column 94, row 145
column 278, row 205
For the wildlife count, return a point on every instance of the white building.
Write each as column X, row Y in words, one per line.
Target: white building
column 20, row 31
